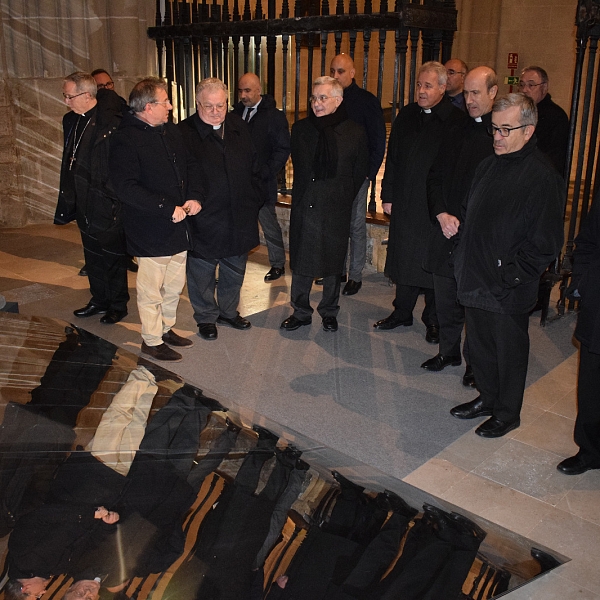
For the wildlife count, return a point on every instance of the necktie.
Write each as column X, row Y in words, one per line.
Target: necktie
column 249, row 112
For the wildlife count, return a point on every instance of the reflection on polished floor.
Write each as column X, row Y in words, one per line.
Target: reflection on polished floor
column 300, row 408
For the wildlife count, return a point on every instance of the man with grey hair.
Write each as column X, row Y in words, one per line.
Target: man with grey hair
column 330, row 158
column 513, row 229
column 227, row 228
column 416, row 137
column 158, row 183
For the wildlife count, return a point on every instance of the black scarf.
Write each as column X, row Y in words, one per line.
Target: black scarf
column 326, row 154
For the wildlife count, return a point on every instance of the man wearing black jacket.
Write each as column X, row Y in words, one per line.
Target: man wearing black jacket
column 157, row 181
column 448, row 184
column 513, row 229
column 270, row 134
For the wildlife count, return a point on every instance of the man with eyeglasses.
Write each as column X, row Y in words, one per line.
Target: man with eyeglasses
column 512, row 230
column 457, row 70
column 552, row 129
column 227, row 228
column 87, row 196
column 159, row 185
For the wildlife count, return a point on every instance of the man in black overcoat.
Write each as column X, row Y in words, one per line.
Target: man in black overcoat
column 586, row 286
column 414, row 142
column 227, row 228
column 330, row 157
column 270, row 134
column 511, row 232
column 87, row 196
column 448, row 184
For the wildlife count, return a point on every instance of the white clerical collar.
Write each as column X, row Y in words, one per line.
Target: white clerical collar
column 427, row 110
column 216, row 127
column 478, row 120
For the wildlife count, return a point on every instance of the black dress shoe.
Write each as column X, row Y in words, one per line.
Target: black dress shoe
column 161, row 352
column 471, row 410
column 132, row 265
column 433, row 334
column 547, row 561
column 319, row 281
column 113, row 316
column 89, row 310
column 439, row 362
column 468, row 379
column 392, row 322
column 495, row 428
column 352, row 287
column 178, row 341
column 238, row 322
column 292, row 323
column 207, row 331
column 274, row 274
column 575, row 465
column 83, row 271
column 330, row 324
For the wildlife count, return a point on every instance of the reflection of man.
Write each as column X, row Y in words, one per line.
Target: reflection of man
column 362, row 108
column 448, row 184
column 85, row 194
column 329, row 153
column 509, row 236
column 415, row 140
column 156, row 180
column 270, row 134
column 25, row 588
column 457, row 70
column 552, row 130
column 227, row 228
column 84, row 589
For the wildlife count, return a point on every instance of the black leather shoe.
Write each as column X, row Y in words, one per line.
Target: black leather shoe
column 113, row 316
column 274, row 274
column 207, row 331
column 471, row 410
column 495, row 428
column 575, row 465
column 547, row 561
column 330, row 324
column 89, row 310
column 433, row 334
column 292, row 323
column 83, row 271
column 319, row 281
column 352, row 287
column 238, row 322
column 439, row 362
column 132, row 265
column 392, row 322
column 468, row 379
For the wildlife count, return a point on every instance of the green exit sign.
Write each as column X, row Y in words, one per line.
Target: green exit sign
column 511, row 81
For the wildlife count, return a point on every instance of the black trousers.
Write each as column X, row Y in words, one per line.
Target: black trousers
column 405, row 300
column 328, row 306
column 499, row 348
column 107, row 274
column 587, row 424
column 451, row 317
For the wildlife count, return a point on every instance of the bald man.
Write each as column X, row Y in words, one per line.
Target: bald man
column 270, row 134
column 362, row 108
column 457, row 70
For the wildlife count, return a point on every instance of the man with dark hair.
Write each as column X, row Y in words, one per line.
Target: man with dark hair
column 457, row 70
column 157, row 181
column 87, row 196
column 362, row 108
column 415, row 140
column 270, row 134
column 103, row 79
column 510, row 234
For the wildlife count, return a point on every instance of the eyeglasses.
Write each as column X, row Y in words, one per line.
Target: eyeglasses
column 69, row 97
column 321, row 99
column 214, row 107
column 529, row 85
column 453, row 72
column 503, row 131
column 110, row 85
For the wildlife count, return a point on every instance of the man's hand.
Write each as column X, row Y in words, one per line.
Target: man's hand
column 192, row 207
column 108, row 516
column 449, row 224
column 387, row 207
column 179, row 214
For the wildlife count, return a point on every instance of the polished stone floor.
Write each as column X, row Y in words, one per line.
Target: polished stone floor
column 510, row 483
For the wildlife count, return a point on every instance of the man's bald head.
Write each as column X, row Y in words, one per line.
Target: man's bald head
column 480, row 89
column 249, row 89
column 342, row 69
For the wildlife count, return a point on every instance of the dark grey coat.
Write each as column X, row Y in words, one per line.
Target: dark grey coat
column 321, row 210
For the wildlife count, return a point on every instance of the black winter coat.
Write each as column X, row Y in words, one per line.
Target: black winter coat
column 270, row 135
column 413, row 146
column 152, row 173
column 513, row 230
column 227, row 225
column 321, row 210
column 552, row 132
column 448, row 185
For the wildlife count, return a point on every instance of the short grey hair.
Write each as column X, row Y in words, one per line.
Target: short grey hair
column 144, row 92
column 528, row 111
column 84, row 82
column 211, row 84
column 336, row 87
column 541, row 72
column 438, row 68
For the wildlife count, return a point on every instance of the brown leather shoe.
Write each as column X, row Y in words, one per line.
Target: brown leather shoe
column 161, row 352
column 175, row 340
